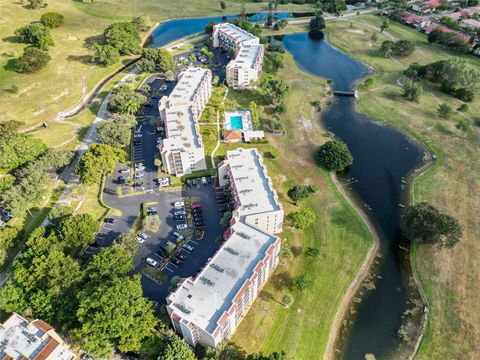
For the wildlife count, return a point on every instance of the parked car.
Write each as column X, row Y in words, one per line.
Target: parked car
column 139, row 167
column 151, row 262
column 194, row 182
column 196, row 210
column 110, row 220
column 138, row 135
column 196, row 206
column 181, row 226
column 144, row 235
column 125, row 171
column 151, row 210
column 198, row 218
column 177, row 235
column 188, row 247
column 180, row 212
column 139, row 175
column 209, row 179
column 221, row 201
column 189, row 182
column 179, row 204
column 139, row 164
column 138, row 183
column 176, row 261
column 199, row 224
column 204, row 180
column 140, row 240
column 180, row 256
column 180, row 217
column 123, row 178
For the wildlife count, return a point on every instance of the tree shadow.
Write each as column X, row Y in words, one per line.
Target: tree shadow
column 90, row 41
column 281, row 280
column 296, row 250
column 11, row 65
column 82, row 132
column 12, row 39
column 84, row 59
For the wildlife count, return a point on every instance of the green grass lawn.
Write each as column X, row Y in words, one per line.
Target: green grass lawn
column 302, row 329
column 449, row 277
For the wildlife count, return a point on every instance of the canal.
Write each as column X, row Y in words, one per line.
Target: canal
column 383, row 159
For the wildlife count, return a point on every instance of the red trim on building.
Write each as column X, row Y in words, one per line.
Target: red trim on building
column 41, row 325
column 47, row 350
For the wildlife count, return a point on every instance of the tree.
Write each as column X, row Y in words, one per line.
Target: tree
column 302, row 218
column 465, row 94
column 18, row 149
column 77, row 230
column 444, row 110
column 175, row 349
column 36, row 34
column 32, row 61
column 457, row 72
column 52, row 19
column 12, row 298
column 385, row 25
column 146, row 66
column 127, row 242
column 141, row 23
column 412, row 90
column 118, row 132
column 125, row 100
column 255, row 114
column 225, row 220
column 301, row 283
column 334, row 156
column 105, row 54
column 298, row 193
column 98, row 161
column 162, row 58
column 58, row 213
column 317, row 25
column 113, row 314
column 424, row 224
column 223, row 5
column 370, row 82
column 109, row 263
column 9, row 128
column 386, row 48
column 403, row 48
column 273, row 89
column 124, row 37
column 34, row 4
column 8, row 235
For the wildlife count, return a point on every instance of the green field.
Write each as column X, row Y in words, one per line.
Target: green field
column 449, row 277
column 302, row 329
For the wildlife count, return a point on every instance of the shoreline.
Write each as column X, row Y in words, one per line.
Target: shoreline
column 360, row 276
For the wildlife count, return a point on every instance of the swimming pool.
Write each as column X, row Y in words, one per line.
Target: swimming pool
column 239, row 120
column 236, row 122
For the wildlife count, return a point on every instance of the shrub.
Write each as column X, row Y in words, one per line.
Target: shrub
column 463, row 125
column 312, row 252
column 444, row 110
column 302, row 218
column 36, row 34
column 301, row 283
column 463, row 108
column 334, row 156
column 287, row 299
column 370, row 82
column 105, row 54
column 465, row 95
column 52, row 19
column 412, row 90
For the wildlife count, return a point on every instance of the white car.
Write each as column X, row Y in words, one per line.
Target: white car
column 139, row 167
column 139, row 175
column 181, row 226
column 125, row 171
column 151, row 262
column 179, row 204
column 143, row 235
column 140, row 240
column 159, row 140
column 204, row 180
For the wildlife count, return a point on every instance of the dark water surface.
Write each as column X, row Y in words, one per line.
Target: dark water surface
column 382, row 158
column 172, row 30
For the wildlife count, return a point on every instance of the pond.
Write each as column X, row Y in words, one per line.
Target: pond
column 383, row 159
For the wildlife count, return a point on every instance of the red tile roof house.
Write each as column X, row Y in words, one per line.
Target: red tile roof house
column 232, row 136
column 471, row 23
column 433, row 4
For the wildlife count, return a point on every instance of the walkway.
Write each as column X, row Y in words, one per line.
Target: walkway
column 212, row 157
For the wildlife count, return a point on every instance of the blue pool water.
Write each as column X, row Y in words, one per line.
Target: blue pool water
column 236, row 123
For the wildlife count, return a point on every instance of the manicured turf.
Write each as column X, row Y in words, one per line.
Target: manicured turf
column 302, row 329
column 449, row 277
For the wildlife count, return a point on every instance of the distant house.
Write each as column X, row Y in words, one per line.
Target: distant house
column 470, row 23
column 36, row 340
column 249, row 136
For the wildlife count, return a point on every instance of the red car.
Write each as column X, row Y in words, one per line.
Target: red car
column 180, row 256
column 196, row 206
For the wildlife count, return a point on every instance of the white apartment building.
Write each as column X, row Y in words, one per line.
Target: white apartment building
column 182, row 150
column 244, row 70
column 36, row 340
column 207, row 309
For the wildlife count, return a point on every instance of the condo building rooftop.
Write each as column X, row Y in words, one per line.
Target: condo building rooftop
column 247, row 56
column 186, row 88
column 235, row 32
column 181, row 128
column 204, row 299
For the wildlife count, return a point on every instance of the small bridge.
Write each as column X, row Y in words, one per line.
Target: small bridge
column 345, row 93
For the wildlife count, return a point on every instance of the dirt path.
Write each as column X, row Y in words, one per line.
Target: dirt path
column 359, row 277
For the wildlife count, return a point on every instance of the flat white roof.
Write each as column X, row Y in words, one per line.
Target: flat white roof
column 181, row 128
column 204, row 299
column 247, row 56
column 235, row 32
column 254, row 187
column 24, row 339
column 188, row 85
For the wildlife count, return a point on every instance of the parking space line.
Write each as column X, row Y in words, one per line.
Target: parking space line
column 196, row 243
column 166, row 268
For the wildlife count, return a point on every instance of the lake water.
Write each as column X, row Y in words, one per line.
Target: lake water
column 383, row 157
